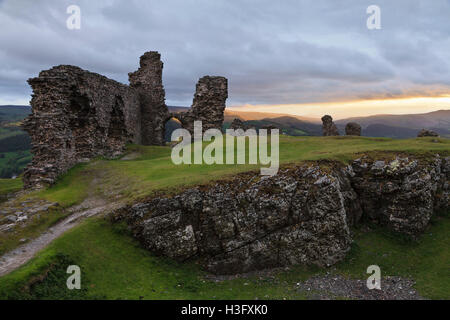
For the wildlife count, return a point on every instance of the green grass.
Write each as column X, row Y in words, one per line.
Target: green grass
column 35, row 227
column 154, row 170
column 14, row 162
column 427, row 261
column 10, row 185
column 114, row 266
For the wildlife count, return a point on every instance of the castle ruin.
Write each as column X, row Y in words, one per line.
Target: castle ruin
column 78, row 115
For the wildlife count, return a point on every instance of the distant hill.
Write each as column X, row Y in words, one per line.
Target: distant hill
column 382, row 130
column 401, row 126
column 392, row 126
column 15, row 143
column 10, row 113
column 244, row 116
column 436, row 119
column 289, row 125
column 177, row 109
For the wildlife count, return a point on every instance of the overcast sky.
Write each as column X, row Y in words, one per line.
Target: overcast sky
column 272, row 52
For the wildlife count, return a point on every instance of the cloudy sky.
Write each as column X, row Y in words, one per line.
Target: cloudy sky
column 304, row 57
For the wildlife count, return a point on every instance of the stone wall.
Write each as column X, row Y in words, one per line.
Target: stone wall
column 147, row 80
column 208, row 105
column 78, row 115
column 300, row 216
column 328, row 126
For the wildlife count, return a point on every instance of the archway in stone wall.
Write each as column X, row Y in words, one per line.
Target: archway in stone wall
column 171, row 125
column 80, row 118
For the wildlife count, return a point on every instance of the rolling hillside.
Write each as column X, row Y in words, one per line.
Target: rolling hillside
column 402, row 126
column 15, row 143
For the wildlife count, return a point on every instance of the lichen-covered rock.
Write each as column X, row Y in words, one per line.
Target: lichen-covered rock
column 353, row 129
column 251, row 223
column 300, row 216
column 402, row 193
column 328, row 126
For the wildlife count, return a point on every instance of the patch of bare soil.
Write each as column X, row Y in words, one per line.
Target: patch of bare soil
column 19, row 256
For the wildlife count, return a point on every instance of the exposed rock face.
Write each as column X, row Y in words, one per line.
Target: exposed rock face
column 208, row 105
column 353, row 129
column 402, row 193
column 249, row 223
column 427, row 133
column 328, row 126
column 78, row 115
column 300, row 216
column 147, row 80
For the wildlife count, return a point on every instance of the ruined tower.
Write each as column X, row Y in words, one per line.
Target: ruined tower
column 147, row 80
column 78, row 115
column 208, row 106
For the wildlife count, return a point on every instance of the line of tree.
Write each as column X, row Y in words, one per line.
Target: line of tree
column 20, row 142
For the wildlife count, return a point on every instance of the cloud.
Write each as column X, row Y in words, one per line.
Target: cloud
column 271, row 52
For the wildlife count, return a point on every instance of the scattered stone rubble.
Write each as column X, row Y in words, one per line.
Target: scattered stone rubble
column 78, row 115
column 300, row 216
column 16, row 213
column 427, row 133
column 332, row 286
column 328, row 126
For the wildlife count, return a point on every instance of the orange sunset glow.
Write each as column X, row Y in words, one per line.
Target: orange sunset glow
column 357, row 108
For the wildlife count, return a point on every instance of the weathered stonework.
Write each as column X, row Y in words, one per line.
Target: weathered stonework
column 147, row 80
column 300, row 216
column 328, row 126
column 353, row 129
column 208, row 105
column 239, row 124
column 78, row 115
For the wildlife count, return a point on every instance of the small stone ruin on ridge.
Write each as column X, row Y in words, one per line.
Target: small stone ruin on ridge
column 78, row 115
column 328, row 126
column 330, row 129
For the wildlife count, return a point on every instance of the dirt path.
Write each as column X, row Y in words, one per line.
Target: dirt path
column 19, row 256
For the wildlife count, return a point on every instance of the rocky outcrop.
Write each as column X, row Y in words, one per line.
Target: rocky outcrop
column 427, row 133
column 249, row 223
column 300, row 216
column 208, row 106
column 328, row 126
column 402, row 193
column 353, row 129
column 78, row 115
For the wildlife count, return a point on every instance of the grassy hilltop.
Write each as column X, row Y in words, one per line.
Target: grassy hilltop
column 150, row 168
column 114, row 266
